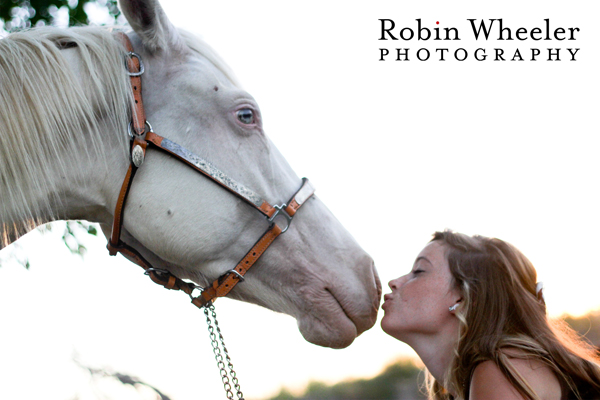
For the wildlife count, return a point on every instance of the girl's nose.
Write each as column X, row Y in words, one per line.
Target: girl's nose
column 396, row 283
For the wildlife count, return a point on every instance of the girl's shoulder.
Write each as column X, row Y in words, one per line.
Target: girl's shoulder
column 488, row 381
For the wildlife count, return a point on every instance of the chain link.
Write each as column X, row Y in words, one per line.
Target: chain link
column 213, row 324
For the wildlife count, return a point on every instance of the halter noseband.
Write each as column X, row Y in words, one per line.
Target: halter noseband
column 142, row 137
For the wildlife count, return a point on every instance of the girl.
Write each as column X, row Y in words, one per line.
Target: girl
column 473, row 311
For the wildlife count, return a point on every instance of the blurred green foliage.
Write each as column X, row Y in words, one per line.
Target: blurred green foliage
column 401, row 380
column 73, row 236
column 23, row 14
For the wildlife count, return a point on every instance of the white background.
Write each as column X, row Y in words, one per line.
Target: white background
column 396, row 149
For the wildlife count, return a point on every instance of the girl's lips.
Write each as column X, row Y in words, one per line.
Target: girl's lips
column 385, row 299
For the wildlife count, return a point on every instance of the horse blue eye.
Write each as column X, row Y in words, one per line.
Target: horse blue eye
column 246, row 116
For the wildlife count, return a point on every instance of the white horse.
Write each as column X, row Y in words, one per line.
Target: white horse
column 64, row 111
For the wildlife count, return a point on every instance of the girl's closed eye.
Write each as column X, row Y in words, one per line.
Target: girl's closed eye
column 417, row 271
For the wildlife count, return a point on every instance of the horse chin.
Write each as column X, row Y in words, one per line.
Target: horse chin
column 332, row 315
column 328, row 325
column 336, row 335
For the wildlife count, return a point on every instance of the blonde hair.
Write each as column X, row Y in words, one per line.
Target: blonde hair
column 501, row 317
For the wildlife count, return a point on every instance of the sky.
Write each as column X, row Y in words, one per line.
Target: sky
column 499, row 148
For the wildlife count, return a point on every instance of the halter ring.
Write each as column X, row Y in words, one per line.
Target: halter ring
column 160, row 271
column 132, row 134
column 196, row 287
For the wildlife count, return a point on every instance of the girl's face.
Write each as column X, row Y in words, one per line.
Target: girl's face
column 419, row 302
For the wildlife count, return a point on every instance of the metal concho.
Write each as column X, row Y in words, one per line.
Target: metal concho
column 137, row 155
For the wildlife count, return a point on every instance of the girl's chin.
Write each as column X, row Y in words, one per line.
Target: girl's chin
column 385, row 324
column 393, row 328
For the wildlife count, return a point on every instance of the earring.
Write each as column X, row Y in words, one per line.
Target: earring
column 453, row 308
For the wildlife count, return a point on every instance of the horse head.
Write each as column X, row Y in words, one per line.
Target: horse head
column 183, row 222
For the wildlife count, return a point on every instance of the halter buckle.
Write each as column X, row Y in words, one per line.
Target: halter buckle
column 288, row 218
column 231, row 271
column 131, row 54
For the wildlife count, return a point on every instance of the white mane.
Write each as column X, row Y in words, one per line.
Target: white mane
column 46, row 113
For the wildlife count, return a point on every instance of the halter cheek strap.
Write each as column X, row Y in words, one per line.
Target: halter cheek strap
column 143, row 137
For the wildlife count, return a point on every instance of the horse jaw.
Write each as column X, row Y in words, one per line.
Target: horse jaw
column 319, row 275
column 330, row 286
column 332, row 290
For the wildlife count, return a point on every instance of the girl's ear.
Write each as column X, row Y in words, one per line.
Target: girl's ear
column 453, row 308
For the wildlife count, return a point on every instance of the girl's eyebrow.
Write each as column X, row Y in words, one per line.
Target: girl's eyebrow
column 422, row 258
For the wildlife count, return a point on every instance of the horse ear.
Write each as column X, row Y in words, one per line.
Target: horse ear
column 150, row 22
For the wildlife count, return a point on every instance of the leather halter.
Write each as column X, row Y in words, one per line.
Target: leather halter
column 143, row 137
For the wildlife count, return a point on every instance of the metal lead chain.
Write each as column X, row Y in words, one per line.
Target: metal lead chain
column 213, row 325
